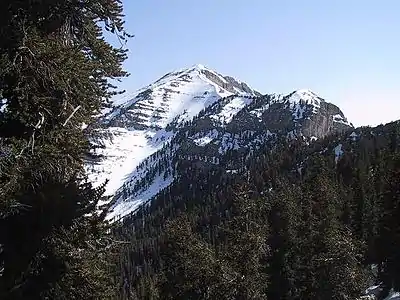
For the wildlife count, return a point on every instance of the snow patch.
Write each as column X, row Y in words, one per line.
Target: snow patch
column 338, row 152
column 258, row 112
column 229, row 142
column 232, row 171
column 206, row 139
column 298, row 111
column 3, row 105
column 393, row 296
column 373, row 293
column 291, row 135
column 299, row 100
column 124, row 207
column 339, row 119
column 354, row 136
column 230, row 110
column 124, row 150
column 184, row 93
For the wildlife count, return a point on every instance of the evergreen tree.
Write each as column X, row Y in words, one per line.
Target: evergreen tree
column 191, row 268
column 330, row 266
column 311, row 235
column 55, row 72
column 283, row 240
column 246, row 249
column 388, row 240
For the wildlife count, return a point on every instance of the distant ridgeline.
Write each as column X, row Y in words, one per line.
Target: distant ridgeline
column 199, row 115
column 229, row 194
column 294, row 219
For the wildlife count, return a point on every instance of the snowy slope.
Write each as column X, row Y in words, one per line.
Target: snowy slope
column 231, row 108
column 124, row 150
column 137, row 127
column 198, row 115
column 183, row 93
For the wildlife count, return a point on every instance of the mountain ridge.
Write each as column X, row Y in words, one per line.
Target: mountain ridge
column 324, row 181
column 142, row 121
column 196, row 110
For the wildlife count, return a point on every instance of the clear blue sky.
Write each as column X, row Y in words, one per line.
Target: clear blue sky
column 347, row 51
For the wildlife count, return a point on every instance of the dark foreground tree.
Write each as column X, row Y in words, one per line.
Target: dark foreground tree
column 55, row 72
column 388, row 240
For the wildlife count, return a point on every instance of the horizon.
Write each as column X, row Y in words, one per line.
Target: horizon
column 346, row 56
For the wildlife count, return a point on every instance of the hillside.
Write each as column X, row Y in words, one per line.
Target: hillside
column 207, row 173
column 308, row 218
column 196, row 114
column 198, row 186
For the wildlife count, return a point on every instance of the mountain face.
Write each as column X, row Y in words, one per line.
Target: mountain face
column 305, row 208
column 200, row 116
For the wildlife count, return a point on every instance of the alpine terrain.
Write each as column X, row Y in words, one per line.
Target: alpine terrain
column 197, row 186
column 219, row 192
column 196, row 114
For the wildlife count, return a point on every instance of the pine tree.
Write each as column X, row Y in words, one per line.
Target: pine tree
column 283, row 240
column 55, row 73
column 388, row 240
column 246, row 250
column 192, row 270
column 331, row 256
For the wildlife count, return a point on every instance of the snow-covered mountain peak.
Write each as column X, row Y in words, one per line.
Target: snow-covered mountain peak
column 196, row 114
column 181, row 93
column 142, row 125
column 299, row 100
column 199, row 67
column 304, row 95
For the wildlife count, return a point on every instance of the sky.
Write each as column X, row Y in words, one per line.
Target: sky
column 346, row 51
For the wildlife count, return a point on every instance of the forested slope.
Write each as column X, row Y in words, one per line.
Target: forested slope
column 301, row 220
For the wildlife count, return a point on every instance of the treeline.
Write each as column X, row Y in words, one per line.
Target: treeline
column 298, row 224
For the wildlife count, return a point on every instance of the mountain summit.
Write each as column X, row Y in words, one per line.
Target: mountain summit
column 135, row 129
column 196, row 114
column 184, row 92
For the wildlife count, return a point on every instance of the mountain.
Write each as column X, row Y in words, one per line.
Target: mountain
column 197, row 115
column 227, row 175
column 297, row 218
column 137, row 128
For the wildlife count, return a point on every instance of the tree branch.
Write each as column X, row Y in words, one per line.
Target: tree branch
column 71, row 115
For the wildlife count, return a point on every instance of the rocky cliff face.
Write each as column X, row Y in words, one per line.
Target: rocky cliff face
column 199, row 116
column 314, row 116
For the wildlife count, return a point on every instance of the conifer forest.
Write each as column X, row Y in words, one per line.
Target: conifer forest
column 282, row 198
